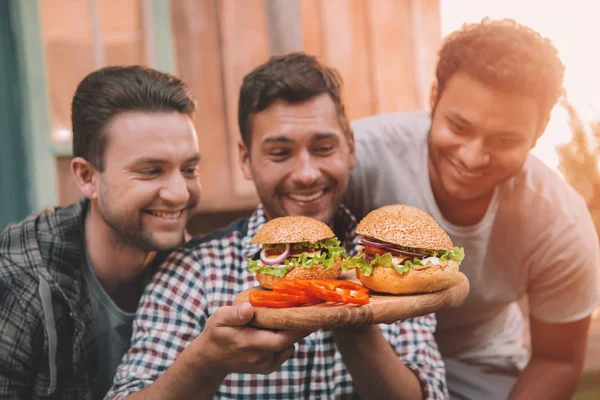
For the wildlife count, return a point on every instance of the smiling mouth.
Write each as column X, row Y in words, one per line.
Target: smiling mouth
column 306, row 197
column 166, row 215
column 463, row 172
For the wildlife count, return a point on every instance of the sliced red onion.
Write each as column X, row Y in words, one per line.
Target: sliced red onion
column 404, row 252
column 275, row 260
column 374, row 244
column 390, row 247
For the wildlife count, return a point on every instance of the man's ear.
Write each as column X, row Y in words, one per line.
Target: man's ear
column 433, row 96
column 244, row 157
column 352, row 147
column 86, row 177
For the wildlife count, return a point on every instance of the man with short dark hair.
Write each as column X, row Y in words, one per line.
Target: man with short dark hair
column 190, row 342
column 524, row 230
column 71, row 277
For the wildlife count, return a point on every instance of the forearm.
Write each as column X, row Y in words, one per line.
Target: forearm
column 375, row 368
column 545, row 378
column 185, row 379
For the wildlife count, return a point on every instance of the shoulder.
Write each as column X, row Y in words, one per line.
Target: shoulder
column 392, row 125
column 539, row 193
column 213, row 246
column 236, row 228
column 543, row 216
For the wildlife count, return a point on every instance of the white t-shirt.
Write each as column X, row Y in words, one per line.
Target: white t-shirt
column 537, row 238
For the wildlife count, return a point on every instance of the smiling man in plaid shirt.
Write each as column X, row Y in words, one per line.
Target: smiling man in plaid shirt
column 71, row 277
column 189, row 342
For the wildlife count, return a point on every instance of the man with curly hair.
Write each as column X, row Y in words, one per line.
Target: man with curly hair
column 526, row 233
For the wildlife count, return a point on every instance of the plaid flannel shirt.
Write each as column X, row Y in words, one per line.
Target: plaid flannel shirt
column 207, row 274
column 43, row 311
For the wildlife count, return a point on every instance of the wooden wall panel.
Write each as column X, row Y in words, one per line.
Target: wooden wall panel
column 384, row 50
column 427, row 28
column 122, row 31
column 199, row 64
column 392, row 66
column 69, row 56
column 345, row 37
column 284, row 25
column 244, row 45
column 312, row 27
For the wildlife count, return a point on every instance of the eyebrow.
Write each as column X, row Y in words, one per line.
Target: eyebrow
column 150, row 160
column 461, row 120
column 458, row 117
column 325, row 135
column 275, row 139
column 285, row 139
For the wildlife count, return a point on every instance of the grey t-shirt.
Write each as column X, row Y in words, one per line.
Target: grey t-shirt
column 111, row 333
column 537, row 238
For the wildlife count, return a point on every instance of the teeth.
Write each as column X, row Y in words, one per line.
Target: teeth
column 308, row 197
column 166, row 215
column 467, row 174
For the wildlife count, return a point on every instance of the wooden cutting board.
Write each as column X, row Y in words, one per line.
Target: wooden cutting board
column 382, row 308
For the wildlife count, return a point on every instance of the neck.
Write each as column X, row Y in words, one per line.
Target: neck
column 119, row 267
column 457, row 211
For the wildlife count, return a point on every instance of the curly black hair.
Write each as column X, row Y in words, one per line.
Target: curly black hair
column 293, row 77
column 506, row 55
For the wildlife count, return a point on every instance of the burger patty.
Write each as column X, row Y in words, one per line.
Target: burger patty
column 368, row 257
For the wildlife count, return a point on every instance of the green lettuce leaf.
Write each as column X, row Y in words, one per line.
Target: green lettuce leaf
column 254, row 267
column 457, row 254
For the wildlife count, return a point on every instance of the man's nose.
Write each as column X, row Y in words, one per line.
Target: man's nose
column 175, row 189
column 473, row 154
column 305, row 170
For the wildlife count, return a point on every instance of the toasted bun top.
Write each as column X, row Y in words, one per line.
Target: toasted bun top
column 405, row 226
column 292, row 230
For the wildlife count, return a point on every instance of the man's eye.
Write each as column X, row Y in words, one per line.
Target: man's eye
column 150, row 172
column 455, row 127
column 279, row 153
column 191, row 171
column 324, row 149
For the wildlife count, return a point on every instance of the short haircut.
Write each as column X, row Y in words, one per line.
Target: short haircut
column 104, row 93
column 505, row 55
column 293, row 77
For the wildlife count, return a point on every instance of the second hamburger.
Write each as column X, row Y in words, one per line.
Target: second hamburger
column 403, row 251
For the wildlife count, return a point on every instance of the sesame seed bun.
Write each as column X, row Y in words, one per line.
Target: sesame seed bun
column 314, row 272
column 405, row 226
column 292, row 230
column 430, row 279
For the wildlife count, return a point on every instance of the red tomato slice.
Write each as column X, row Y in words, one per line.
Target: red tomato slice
column 339, row 291
column 374, row 250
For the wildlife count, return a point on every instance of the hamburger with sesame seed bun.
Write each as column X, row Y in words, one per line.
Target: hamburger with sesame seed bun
column 295, row 248
column 404, row 251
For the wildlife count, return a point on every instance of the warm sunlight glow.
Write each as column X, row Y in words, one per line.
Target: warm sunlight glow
column 573, row 27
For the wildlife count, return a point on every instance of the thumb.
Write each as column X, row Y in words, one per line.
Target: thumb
column 235, row 315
